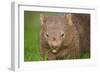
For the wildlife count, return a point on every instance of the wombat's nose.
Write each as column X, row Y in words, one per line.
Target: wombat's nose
column 54, row 45
column 54, row 39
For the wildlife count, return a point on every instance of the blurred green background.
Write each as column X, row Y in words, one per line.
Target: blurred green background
column 32, row 34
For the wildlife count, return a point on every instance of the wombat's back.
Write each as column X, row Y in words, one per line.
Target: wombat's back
column 82, row 23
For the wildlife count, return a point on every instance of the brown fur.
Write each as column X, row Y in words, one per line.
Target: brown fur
column 65, row 34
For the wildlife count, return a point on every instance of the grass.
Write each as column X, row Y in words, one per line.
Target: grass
column 85, row 55
column 32, row 37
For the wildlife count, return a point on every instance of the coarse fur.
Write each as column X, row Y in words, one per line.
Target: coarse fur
column 60, row 36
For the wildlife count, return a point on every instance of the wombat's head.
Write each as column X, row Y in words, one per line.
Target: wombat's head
column 54, row 31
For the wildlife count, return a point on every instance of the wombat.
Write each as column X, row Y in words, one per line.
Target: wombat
column 60, row 36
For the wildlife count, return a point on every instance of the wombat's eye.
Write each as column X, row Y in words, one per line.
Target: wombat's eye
column 47, row 35
column 62, row 34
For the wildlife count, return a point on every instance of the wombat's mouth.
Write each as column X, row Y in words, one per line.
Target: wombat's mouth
column 54, row 51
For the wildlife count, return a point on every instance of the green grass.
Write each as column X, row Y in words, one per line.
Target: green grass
column 85, row 55
column 32, row 36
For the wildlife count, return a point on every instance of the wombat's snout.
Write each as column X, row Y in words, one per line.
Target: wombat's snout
column 55, row 45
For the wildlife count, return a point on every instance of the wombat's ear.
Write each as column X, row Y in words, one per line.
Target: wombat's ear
column 42, row 19
column 68, row 18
